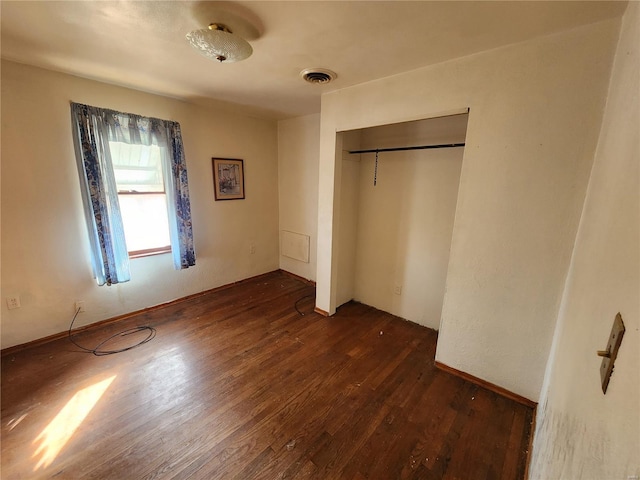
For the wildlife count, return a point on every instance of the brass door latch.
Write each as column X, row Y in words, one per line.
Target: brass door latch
column 609, row 355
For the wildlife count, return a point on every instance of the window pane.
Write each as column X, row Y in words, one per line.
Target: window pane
column 145, row 220
column 137, row 168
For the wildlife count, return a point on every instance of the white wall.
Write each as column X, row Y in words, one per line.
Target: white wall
column 404, row 231
column 581, row 433
column 45, row 251
column 535, row 115
column 398, row 233
column 348, row 222
column 298, row 141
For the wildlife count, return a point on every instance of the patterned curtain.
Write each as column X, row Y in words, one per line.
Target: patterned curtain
column 134, row 129
column 177, row 189
column 110, row 259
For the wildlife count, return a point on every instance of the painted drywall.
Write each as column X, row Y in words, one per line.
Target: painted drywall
column 536, row 109
column 348, row 223
column 582, row 433
column 430, row 131
column 404, row 232
column 298, row 142
column 398, row 233
column 45, row 251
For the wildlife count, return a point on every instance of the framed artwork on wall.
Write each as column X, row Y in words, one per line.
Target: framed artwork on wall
column 228, row 178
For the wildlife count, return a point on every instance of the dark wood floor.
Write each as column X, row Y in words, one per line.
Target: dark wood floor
column 238, row 385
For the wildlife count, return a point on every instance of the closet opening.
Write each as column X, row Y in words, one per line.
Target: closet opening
column 399, row 189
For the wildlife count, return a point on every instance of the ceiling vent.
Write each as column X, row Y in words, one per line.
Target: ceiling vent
column 318, row 75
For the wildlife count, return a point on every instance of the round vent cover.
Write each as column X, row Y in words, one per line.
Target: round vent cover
column 318, row 75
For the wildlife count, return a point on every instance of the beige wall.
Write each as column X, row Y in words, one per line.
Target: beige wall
column 298, row 140
column 535, row 115
column 404, row 231
column 398, row 233
column 45, row 252
column 348, row 224
column 581, row 433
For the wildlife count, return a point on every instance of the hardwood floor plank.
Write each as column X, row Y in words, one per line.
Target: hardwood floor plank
column 237, row 384
column 511, row 465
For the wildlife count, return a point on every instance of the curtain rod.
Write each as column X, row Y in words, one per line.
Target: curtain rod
column 398, row 149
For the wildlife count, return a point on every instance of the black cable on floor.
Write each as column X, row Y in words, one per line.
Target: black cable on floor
column 98, row 353
column 299, row 300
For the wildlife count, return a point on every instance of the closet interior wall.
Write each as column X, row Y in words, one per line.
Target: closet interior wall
column 395, row 237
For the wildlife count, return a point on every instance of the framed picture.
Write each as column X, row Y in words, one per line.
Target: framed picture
column 228, row 178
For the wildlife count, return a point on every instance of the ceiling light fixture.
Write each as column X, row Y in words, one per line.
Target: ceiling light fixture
column 219, row 43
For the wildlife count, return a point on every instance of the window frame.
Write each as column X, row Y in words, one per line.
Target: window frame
column 146, row 252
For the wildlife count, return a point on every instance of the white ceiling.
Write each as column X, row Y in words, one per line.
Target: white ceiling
column 141, row 44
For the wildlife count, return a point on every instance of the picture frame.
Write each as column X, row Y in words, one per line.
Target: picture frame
column 228, row 178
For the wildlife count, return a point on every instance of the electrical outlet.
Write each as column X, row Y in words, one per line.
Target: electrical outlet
column 13, row 302
column 398, row 290
column 79, row 306
column 252, row 249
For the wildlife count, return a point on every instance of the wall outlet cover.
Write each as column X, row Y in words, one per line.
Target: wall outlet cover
column 13, row 302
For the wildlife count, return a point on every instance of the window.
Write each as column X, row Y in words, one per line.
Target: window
column 133, row 179
column 142, row 198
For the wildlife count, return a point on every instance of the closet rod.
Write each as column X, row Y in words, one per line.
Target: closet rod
column 399, row 149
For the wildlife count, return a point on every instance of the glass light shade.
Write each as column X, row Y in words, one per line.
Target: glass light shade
column 219, row 44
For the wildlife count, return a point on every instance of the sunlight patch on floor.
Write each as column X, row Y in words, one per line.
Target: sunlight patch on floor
column 55, row 435
column 13, row 423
